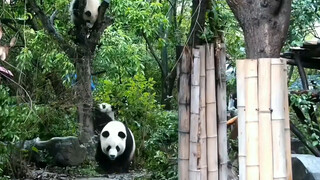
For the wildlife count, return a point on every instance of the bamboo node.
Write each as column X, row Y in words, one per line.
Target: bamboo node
column 251, row 77
column 277, row 119
column 215, row 136
column 215, row 170
column 183, row 132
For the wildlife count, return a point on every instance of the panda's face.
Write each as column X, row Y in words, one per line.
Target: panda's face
column 105, row 107
column 113, row 139
column 91, row 12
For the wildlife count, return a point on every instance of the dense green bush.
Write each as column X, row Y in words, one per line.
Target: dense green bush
column 162, row 147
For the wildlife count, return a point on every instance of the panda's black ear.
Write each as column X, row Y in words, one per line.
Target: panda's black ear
column 105, row 134
column 88, row 13
column 121, row 135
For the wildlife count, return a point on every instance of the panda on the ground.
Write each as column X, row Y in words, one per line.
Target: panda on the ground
column 116, row 147
column 90, row 13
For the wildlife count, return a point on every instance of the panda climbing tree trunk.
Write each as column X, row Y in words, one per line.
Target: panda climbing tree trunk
column 81, row 54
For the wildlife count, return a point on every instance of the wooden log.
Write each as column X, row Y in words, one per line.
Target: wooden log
column 287, row 123
column 278, row 118
column 222, row 109
column 194, row 172
column 241, row 71
column 211, row 114
column 265, row 128
column 203, row 131
column 252, row 125
column 184, row 115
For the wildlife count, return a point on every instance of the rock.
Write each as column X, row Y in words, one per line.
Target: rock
column 305, row 167
column 64, row 151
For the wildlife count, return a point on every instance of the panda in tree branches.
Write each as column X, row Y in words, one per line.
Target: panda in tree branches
column 90, row 12
column 102, row 115
column 116, row 147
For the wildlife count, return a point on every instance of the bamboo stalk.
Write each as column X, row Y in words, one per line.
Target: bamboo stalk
column 287, row 124
column 241, row 69
column 265, row 130
column 211, row 113
column 194, row 172
column 184, row 115
column 278, row 116
column 222, row 110
column 252, row 125
column 203, row 132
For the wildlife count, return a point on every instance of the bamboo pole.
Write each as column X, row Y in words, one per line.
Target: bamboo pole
column 184, row 115
column 194, row 172
column 203, row 131
column 211, row 113
column 222, row 110
column 287, row 124
column 252, row 125
column 241, row 69
column 278, row 116
column 265, row 130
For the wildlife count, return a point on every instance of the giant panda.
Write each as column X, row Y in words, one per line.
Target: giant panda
column 102, row 115
column 116, row 148
column 90, row 12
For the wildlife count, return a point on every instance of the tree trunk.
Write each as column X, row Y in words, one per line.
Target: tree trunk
column 199, row 8
column 84, row 98
column 265, row 25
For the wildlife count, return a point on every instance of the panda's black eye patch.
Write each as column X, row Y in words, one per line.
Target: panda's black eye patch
column 108, row 148
column 103, row 106
column 88, row 13
column 118, row 149
column 121, row 135
column 105, row 134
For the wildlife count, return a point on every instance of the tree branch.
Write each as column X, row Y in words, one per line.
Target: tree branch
column 100, row 25
column 48, row 26
column 153, row 53
column 301, row 137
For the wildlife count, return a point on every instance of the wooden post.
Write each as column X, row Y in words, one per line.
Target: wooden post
column 194, row 172
column 184, row 115
column 287, row 124
column 241, row 71
column 265, row 128
column 222, row 109
column 278, row 118
column 203, row 131
column 211, row 113
column 252, row 125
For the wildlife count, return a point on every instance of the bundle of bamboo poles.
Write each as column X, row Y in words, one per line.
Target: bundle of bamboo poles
column 198, row 114
column 263, row 119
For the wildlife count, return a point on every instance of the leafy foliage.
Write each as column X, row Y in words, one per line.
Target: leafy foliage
column 162, row 147
column 307, row 126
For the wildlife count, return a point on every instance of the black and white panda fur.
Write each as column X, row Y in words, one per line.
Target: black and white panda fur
column 102, row 115
column 90, row 13
column 116, row 147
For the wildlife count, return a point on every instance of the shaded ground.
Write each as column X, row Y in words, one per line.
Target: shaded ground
column 45, row 175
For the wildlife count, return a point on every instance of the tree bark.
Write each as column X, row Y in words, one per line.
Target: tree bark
column 265, row 25
column 199, row 8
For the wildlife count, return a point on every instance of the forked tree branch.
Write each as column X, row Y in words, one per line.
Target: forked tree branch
column 48, row 26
